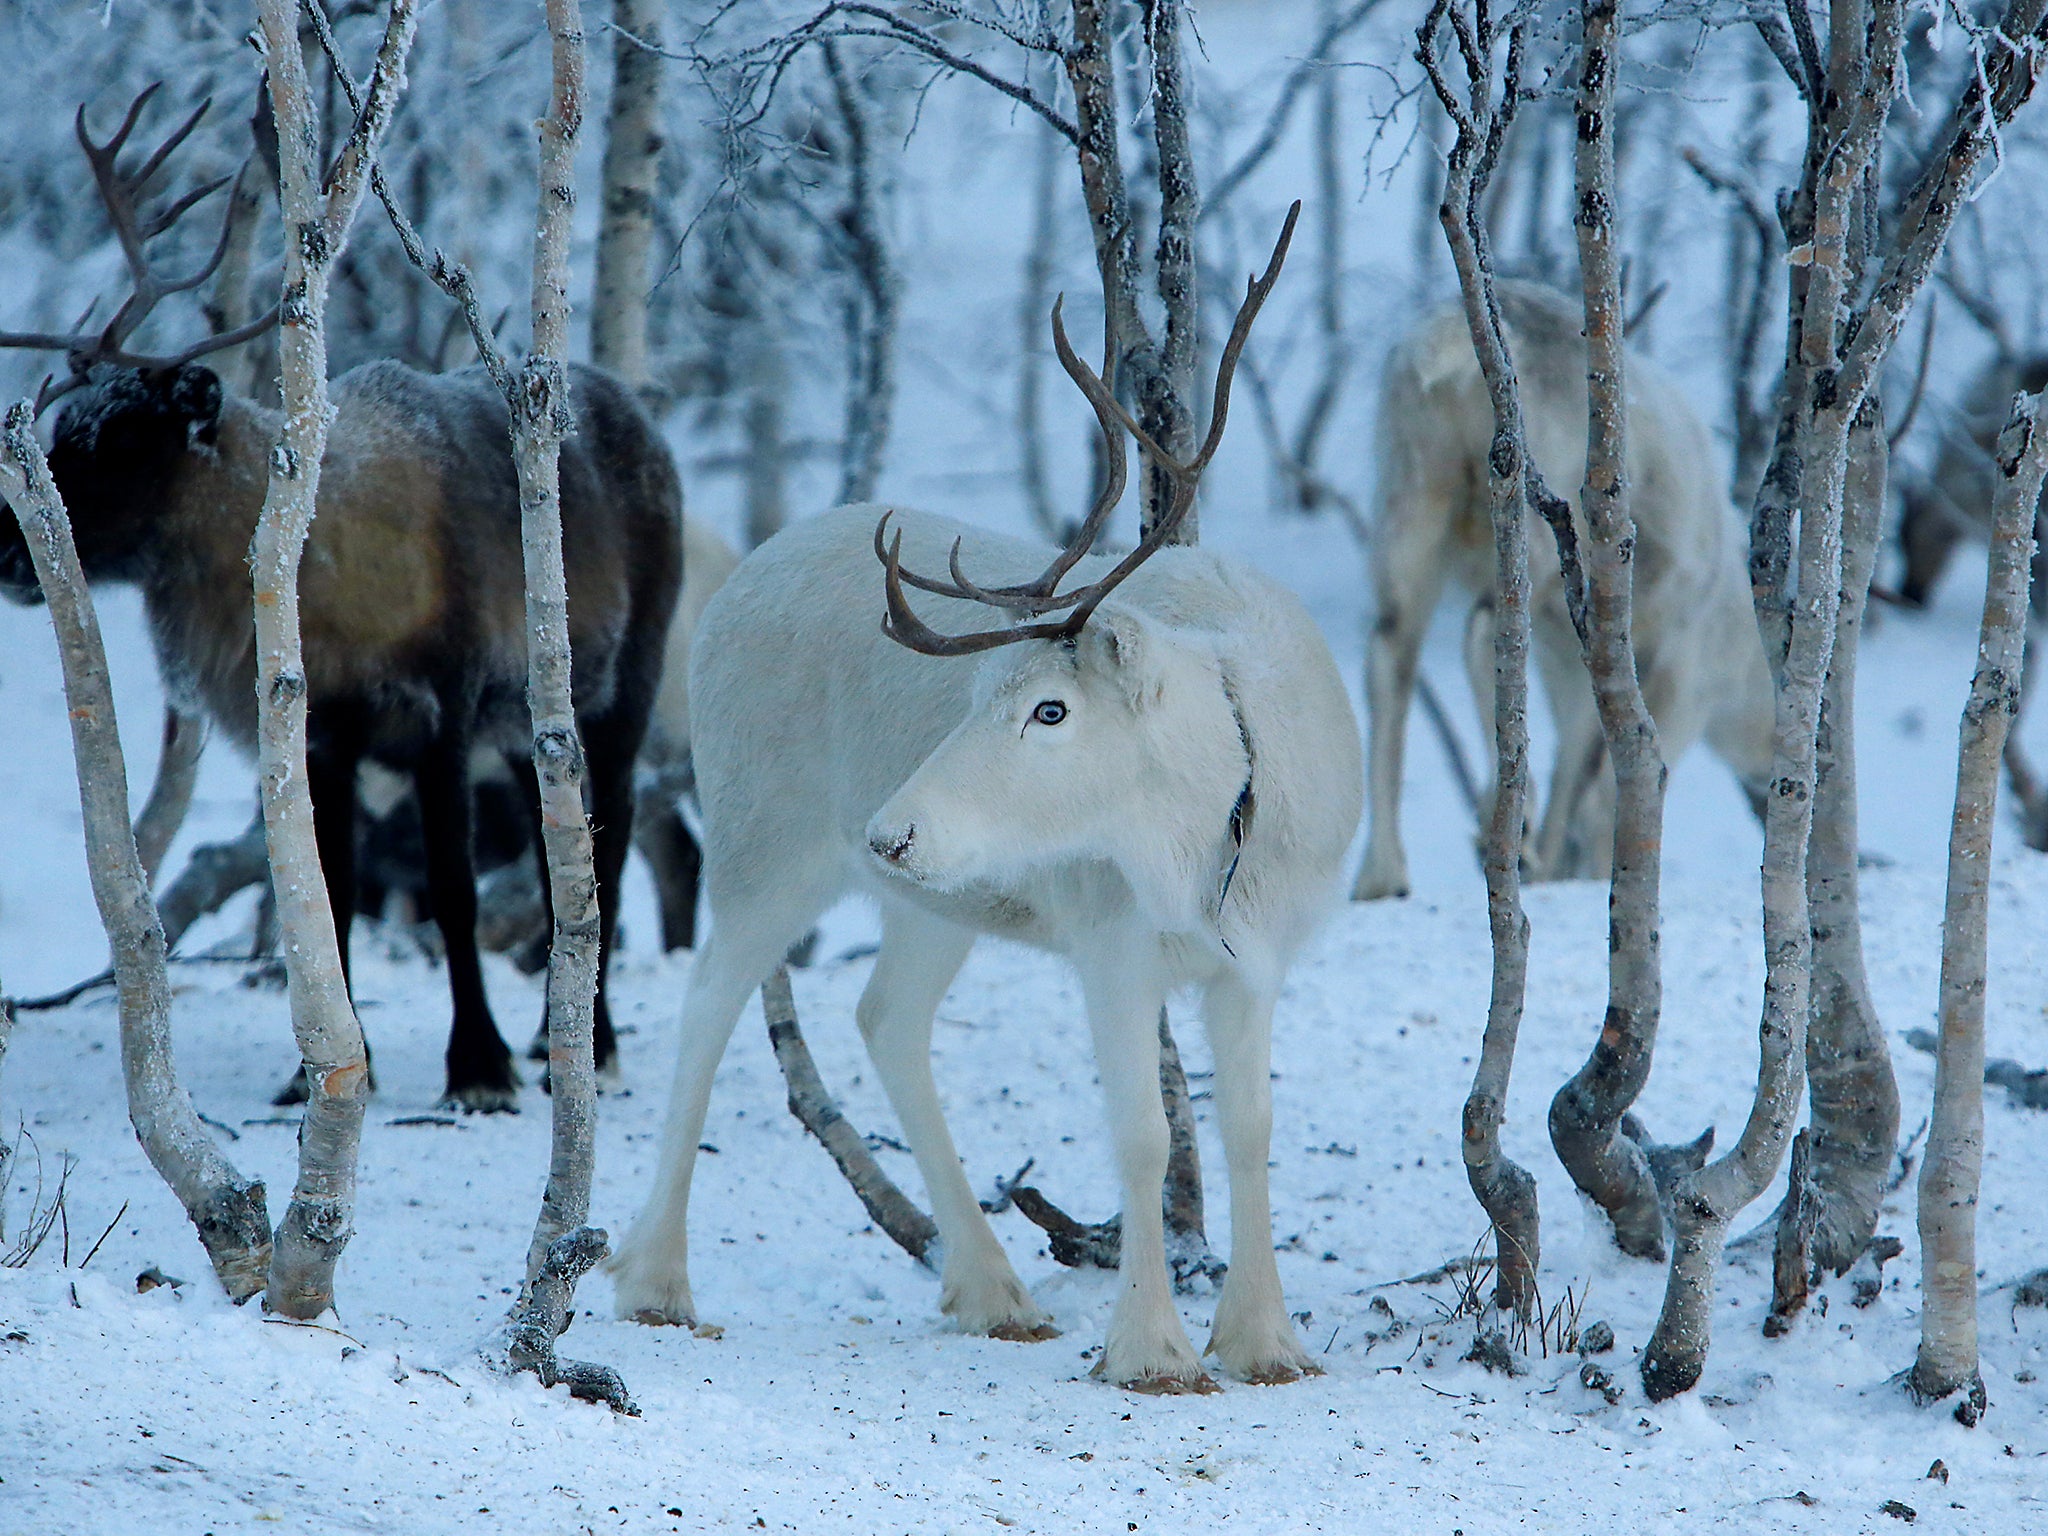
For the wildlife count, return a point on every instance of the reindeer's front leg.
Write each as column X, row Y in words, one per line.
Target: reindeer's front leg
column 1148, row 1349
column 1253, row 1339
column 920, row 956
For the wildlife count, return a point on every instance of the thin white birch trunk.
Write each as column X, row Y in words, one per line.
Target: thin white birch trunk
column 1949, row 1174
column 540, row 420
column 632, row 151
column 227, row 1209
column 1481, row 116
column 319, row 1221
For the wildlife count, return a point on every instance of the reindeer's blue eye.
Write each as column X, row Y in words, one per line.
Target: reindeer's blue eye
column 1049, row 712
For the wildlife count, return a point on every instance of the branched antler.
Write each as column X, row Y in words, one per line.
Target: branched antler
column 122, row 193
column 1041, row 595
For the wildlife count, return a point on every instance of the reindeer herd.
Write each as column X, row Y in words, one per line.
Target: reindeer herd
column 1149, row 765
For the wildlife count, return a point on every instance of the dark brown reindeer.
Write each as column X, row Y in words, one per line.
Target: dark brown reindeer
column 413, row 605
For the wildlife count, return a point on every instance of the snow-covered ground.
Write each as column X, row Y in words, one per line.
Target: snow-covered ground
column 834, row 1400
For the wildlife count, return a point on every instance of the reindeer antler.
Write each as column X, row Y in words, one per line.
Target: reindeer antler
column 122, row 193
column 1042, row 595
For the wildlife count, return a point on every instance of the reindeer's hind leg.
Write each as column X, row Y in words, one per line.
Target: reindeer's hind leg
column 760, row 906
column 1408, row 569
column 920, row 955
column 333, row 751
column 480, row 1071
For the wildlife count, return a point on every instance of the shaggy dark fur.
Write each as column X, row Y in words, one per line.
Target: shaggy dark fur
column 412, row 605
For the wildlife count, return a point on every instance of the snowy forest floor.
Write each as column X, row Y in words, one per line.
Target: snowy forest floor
column 836, row 1400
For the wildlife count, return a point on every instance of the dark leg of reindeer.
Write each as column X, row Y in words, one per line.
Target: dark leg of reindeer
column 333, row 750
column 480, row 1072
column 677, row 863
column 608, row 753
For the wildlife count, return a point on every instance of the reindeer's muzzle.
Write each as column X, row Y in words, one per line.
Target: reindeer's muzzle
column 892, row 846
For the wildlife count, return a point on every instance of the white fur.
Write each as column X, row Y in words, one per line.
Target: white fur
column 1697, row 651
column 1104, row 838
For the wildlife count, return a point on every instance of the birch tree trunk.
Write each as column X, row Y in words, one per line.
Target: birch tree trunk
column 227, row 1210
column 540, row 420
column 1799, row 637
column 871, row 309
column 1504, row 1190
column 318, row 1222
column 1830, row 1216
column 1586, row 1114
column 632, row 152
column 1949, row 1173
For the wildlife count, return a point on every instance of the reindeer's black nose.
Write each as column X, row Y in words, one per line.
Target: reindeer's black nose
column 895, row 849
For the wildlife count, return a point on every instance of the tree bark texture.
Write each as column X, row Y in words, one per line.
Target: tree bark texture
column 1852, row 1093
column 1586, row 1114
column 318, row 1222
column 1949, row 1172
column 227, row 1210
column 632, row 154
column 540, row 420
column 1504, row 1190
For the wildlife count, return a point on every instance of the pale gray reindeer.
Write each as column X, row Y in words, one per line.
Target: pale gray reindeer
column 1155, row 774
column 1697, row 649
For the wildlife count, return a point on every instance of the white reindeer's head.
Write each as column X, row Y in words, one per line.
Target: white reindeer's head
column 1121, row 744
column 1113, row 739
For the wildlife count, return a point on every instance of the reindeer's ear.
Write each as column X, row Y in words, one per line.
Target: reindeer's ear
column 195, row 394
column 1121, row 643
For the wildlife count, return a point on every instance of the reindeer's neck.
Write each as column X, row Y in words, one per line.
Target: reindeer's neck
column 196, row 581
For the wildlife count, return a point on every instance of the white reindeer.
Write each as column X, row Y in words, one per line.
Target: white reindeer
column 1697, row 651
column 1159, row 786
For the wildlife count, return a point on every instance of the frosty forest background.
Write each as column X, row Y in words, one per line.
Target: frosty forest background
column 1640, row 403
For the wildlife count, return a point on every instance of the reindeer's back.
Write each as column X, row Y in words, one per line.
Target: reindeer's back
column 806, row 717
column 412, row 590
column 1436, row 430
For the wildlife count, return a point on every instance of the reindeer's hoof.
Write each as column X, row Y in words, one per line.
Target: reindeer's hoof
column 655, row 1317
column 1196, row 1383
column 1281, row 1373
column 483, row 1099
column 1024, row 1333
column 537, row 1047
column 1377, row 887
column 293, row 1092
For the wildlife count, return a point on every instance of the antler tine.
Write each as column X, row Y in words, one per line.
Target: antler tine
column 178, row 135
column 119, row 137
column 904, row 626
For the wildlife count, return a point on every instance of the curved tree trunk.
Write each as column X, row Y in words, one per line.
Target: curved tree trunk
column 1586, row 1114
column 1947, row 1359
column 227, row 1209
column 318, row 1222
